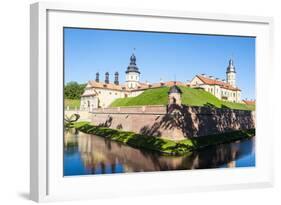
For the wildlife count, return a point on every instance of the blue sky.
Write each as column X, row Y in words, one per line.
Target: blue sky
column 165, row 56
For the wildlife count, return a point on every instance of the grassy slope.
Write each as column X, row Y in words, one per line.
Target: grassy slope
column 160, row 145
column 156, row 96
column 190, row 96
column 72, row 103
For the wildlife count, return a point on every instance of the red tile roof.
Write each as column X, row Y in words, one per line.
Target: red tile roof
column 142, row 86
column 156, row 85
column 249, row 102
column 111, row 86
column 222, row 84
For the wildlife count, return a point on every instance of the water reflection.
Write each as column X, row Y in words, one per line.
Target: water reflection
column 90, row 154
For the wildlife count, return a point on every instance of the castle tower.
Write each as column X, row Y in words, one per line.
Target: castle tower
column 175, row 95
column 231, row 74
column 132, row 74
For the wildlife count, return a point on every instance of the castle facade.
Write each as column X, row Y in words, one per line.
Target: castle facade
column 99, row 94
column 224, row 90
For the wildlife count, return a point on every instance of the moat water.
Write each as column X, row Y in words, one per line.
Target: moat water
column 86, row 154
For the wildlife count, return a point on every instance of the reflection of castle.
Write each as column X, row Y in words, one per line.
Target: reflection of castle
column 101, row 94
column 105, row 156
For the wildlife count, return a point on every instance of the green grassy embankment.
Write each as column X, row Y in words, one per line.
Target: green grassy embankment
column 72, row 103
column 190, row 97
column 163, row 146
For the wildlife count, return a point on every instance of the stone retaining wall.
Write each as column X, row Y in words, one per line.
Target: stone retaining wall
column 152, row 109
column 84, row 115
column 175, row 122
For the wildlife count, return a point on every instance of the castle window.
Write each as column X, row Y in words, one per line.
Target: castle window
column 132, row 77
column 109, row 93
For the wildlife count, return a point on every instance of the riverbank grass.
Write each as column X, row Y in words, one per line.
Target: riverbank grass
column 163, row 146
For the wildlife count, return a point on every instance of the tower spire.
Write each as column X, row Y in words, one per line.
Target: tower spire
column 132, row 73
column 231, row 73
column 230, row 67
column 133, row 66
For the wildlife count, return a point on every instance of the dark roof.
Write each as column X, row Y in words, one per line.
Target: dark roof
column 230, row 67
column 175, row 89
column 133, row 66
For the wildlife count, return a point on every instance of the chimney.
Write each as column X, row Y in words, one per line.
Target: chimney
column 212, row 77
column 97, row 77
column 116, row 80
column 217, row 79
column 203, row 74
column 223, row 80
column 106, row 78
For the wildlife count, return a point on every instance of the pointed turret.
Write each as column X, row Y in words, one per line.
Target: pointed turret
column 231, row 73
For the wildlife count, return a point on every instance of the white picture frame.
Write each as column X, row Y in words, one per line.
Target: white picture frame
column 46, row 87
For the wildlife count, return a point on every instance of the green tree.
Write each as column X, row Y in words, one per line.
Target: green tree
column 73, row 90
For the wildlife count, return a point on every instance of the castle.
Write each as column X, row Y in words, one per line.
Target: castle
column 101, row 94
column 224, row 90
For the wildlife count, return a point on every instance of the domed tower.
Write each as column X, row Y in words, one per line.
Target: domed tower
column 132, row 74
column 231, row 74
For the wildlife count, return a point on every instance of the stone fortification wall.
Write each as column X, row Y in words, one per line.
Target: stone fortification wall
column 174, row 122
